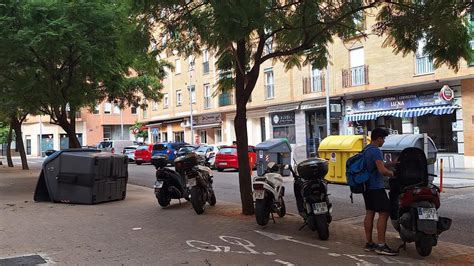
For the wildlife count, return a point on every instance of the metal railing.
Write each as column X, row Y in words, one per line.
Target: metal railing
column 355, row 76
column 423, row 65
column 226, row 99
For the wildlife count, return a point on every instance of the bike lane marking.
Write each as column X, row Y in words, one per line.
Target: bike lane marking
column 288, row 238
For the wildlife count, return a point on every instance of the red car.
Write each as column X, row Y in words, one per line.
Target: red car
column 143, row 154
column 227, row 158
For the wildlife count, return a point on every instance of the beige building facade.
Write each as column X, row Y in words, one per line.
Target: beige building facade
column 367, row 85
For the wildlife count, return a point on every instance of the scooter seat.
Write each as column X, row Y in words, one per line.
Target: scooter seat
column 274, row 179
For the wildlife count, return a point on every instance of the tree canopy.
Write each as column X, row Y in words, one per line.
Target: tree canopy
column 68, row 55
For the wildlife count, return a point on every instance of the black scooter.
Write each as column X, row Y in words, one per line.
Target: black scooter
column 311, row 195
column 169, row 184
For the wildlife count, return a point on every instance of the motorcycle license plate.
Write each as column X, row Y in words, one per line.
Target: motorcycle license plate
column 191, row 182
column 158, row 184
column 320, row 207
column 427, row 214
column 259, row 194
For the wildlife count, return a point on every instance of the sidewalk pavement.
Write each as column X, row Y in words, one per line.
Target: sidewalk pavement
column 136, row 231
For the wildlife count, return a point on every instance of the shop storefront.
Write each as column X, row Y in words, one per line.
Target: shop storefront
column 431, row 112
column 283, row 125
column 208, row 128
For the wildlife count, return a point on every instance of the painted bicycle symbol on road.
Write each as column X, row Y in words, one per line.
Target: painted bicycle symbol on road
column 236, row 241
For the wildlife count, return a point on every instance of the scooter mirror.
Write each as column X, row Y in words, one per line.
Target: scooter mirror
column 286, row 167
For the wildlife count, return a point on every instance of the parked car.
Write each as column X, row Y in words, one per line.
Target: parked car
column 129, row 151
column 185, row 150
column 208, row 153
column 227, row 157
column 143, row 154
column 114, row 146
column 167, row 148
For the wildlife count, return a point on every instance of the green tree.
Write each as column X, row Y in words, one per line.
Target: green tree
column 71, row 55
column 300, row 32
column 4, row 128
column 142, row 133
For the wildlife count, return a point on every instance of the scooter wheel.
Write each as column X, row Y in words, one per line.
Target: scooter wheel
column 163, row 199
column 282, row 211
column 213, row 199
column 262, row 211
column 197, row 200
column 322, row 226
column 424, row 245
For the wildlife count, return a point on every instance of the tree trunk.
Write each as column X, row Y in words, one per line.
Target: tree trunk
column 9, row 147
column 70, row 128
column 16, row 125
column 240, row 125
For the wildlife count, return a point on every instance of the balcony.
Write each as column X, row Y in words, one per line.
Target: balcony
column 205, row 67
column 424, row 65
column 355, row 76
column 313, row 84
column 226, row 99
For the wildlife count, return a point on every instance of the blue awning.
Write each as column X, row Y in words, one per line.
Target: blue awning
column 412, row 112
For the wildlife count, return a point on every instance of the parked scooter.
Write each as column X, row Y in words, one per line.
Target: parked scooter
column 268, row 191
column 415, row 202
column 199, row 180
column 169, row 184
column 311, row 194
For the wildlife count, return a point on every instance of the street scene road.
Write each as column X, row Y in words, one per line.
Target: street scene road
column 457, row 204
column 136, row 231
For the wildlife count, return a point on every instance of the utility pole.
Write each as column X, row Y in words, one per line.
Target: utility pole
column 328, row 105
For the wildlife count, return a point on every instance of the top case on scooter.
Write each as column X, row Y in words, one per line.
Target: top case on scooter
column 412, row 168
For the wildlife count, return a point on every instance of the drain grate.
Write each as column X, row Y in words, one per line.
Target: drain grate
column 23, row 260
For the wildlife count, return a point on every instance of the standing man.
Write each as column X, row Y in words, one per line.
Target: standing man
column 375, row 197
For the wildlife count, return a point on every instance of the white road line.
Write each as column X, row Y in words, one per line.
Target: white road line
column 284, row 262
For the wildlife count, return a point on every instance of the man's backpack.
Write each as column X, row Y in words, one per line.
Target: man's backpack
column 357, row 173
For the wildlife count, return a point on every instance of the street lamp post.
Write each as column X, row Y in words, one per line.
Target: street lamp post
column 328, row 104
column 191, row 62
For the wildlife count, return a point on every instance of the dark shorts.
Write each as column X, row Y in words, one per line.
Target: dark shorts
column 376, row 200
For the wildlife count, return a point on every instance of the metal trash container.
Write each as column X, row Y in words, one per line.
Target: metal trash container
column 395, row 144
column 337, row 149
column 83, row 176
column 273, row 150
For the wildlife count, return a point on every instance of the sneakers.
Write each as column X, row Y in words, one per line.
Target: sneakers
column 385, row 250
column 370, row 247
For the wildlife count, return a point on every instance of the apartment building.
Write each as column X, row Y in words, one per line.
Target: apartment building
column 368, row 86
column 103, row 123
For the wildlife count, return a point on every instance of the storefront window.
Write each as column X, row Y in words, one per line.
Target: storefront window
column 179, row 136
column 285, row 132
column 439, row 128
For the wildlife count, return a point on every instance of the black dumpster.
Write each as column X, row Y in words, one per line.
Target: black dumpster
column 273, row 150
column 395, row 144
column 82, row 176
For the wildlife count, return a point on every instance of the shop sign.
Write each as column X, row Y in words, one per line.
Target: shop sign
column 286, row 118
column 208, row 119
column 404, row 101
column 446, row 93
column 154, row 131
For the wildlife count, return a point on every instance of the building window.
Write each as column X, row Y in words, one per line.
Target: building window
column 424, row 64
column 133, row 110
column 178, row 98
column 155, row 106
column 177, row 66
column 357, row 70
column 107, row 108
column 192, row 92
column 107, row 132
column 269, row 86
column 145, row 108
column 285, row 132
column 164, row 136
column 165, row 100
column 96, row 110
column 268, row 48
column 218, row 135
column 316, row 80
column 179, row 136
column 205, row 62
column 116, row 109
column 207, row 96
column 191, row 62
column 203, row 136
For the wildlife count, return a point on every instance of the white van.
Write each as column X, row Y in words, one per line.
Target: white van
column 114, row 146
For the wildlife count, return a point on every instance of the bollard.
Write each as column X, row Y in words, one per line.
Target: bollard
column 441, row 175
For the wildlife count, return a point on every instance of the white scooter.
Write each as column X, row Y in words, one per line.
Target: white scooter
column 268, row 191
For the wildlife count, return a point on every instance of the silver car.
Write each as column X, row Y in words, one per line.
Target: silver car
column 129, row 151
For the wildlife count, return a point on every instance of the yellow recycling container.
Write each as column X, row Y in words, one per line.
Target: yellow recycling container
column 337, row 149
